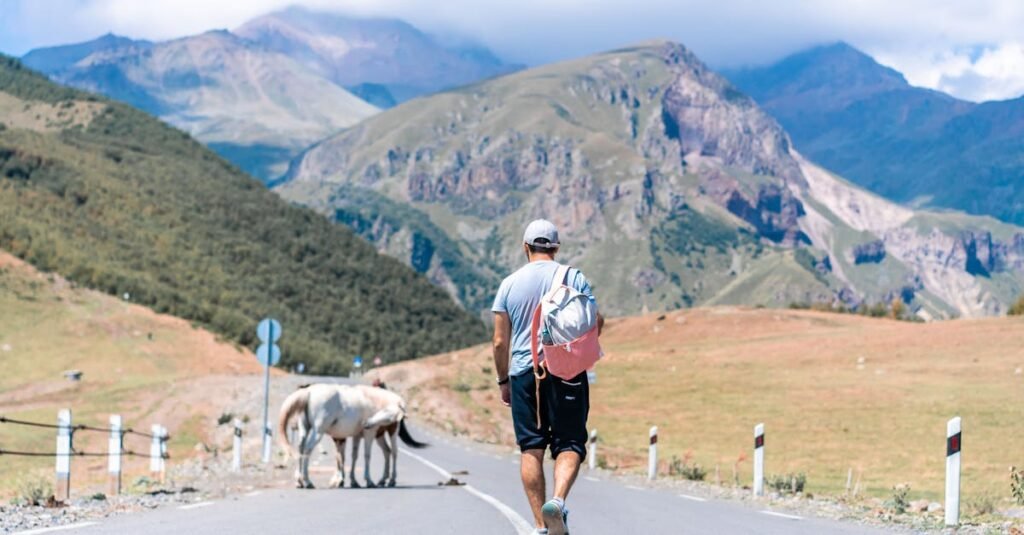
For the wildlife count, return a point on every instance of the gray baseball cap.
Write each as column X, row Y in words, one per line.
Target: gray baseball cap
column 541, row 228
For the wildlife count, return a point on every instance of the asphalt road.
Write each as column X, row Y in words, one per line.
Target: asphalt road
column 491, row 502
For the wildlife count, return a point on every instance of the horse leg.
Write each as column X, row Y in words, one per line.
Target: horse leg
column 382, row 440
column 394, row 456
column 338, row 481
column 308, row 444
column 368, row 435
column 355, row 455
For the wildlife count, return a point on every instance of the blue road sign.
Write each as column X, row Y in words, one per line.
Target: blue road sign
column 268, row 328
column 357, row 361
column 273, row 351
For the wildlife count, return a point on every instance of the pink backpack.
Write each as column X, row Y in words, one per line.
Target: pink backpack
column 568, row 319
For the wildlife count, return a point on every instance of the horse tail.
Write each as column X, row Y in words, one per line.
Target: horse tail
column 294, row 404
column 403, row 432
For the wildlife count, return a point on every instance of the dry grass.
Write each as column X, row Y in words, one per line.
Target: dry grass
column 144, row 366
column 706, row 377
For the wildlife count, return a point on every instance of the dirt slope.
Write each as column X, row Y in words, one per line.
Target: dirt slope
column 834, row 391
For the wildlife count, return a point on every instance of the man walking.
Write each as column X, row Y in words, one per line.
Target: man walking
column 562, row 404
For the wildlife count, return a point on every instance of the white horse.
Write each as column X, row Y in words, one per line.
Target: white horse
column 343, row 411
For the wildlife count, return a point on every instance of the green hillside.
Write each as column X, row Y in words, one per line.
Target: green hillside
column 116, row 200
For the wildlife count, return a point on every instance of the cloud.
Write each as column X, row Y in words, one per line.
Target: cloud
column 971, row 49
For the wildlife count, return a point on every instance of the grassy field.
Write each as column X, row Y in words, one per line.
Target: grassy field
column 136, row 363
column 834, row 391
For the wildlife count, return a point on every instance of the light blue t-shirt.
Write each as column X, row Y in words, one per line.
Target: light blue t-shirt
column 519, row 295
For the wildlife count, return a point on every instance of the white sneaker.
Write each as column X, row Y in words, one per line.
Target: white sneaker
column 556, row 518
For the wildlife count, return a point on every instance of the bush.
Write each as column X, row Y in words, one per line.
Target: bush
column 225, row 418
column 786, row 483
column 34, row 490
column 682, row 468
column 1017, row 485
column 899, row 501
column 982, row 505
column 1017, row 308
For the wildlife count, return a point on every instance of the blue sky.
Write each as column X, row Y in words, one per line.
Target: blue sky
column 972, row 49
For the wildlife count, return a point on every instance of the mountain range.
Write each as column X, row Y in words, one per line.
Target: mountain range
column 263, row 93
column 673, row 188
column 913, row 145
column 116, row 200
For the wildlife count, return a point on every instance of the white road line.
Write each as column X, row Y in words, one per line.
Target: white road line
column 253, row 493
column 518, row 522
column 782, row 515
column 594, row 479
column 195, row 505
column 633, row 487
column 693, row 498
column 58, row 528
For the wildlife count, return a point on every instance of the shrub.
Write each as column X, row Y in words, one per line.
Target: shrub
column 981, row 505
column 1017, row 485
column 461, row 387
column 899, row 501
column 1017, row 308
column 682, row 468
column 225, row 418
column 34, row 490
column 786, row 483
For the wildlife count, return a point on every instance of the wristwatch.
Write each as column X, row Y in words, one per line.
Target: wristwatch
column 503, row 381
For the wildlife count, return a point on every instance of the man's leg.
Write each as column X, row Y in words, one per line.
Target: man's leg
column 567, row 406
column 532, row 441
column 567, row 466
column 531, row 469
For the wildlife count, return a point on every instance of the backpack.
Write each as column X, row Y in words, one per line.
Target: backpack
column 568, row 321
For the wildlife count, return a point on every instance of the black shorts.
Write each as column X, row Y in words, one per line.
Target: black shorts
column 563, row 413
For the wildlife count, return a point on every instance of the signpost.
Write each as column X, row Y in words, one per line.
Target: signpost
column 269, row 354
column 357, row 366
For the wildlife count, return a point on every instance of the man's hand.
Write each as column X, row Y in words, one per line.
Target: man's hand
column 506, row 394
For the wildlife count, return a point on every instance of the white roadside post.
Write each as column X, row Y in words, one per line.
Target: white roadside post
column 652, row 454
column 759, row 460
column 114, row 446
column 592, row 454
column 267, row 442
column 154, row 453
column 236, row 450
column 63, row 488
column 163, row 454
column 953, row 443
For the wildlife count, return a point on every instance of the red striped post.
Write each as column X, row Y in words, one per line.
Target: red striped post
column 953, row 444
column 759, row 460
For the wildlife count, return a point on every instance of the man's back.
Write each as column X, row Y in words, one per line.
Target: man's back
column 519, row 295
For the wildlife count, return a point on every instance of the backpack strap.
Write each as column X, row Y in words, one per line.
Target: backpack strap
column 539, row 371
column 561, row 277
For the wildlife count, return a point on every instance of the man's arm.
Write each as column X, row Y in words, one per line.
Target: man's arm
column 502, row 334
column 501, row 343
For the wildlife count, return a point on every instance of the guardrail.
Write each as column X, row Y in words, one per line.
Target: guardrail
column 116, row 451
